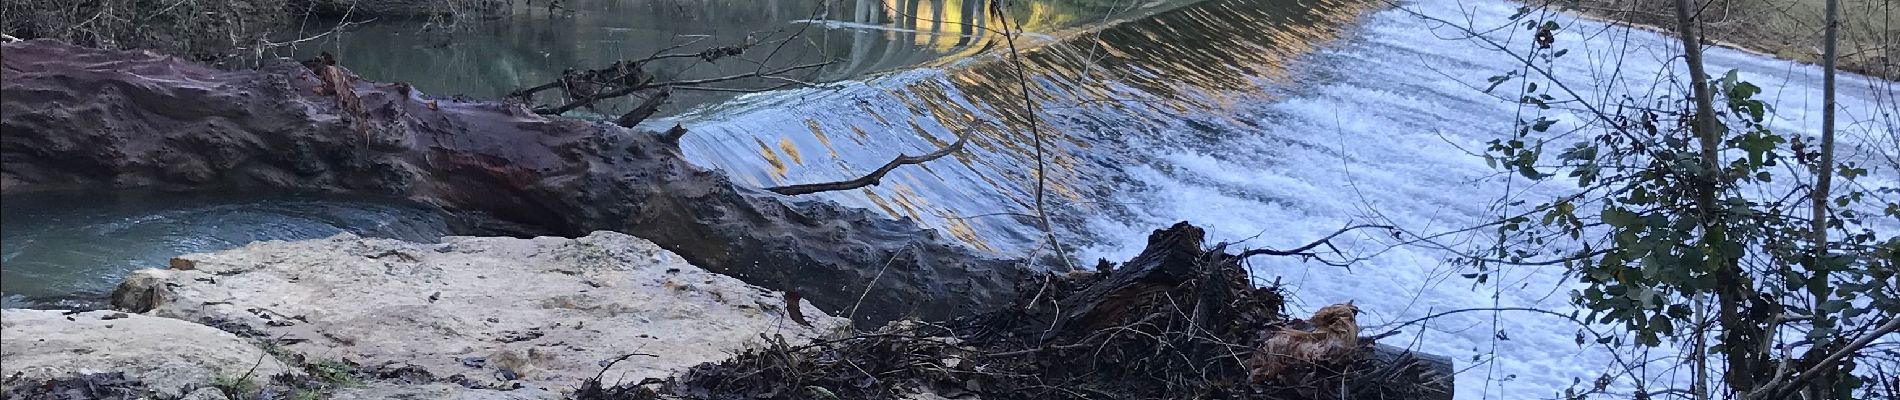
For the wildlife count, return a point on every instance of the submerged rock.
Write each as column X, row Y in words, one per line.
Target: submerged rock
column 547, row 312
column 101, row 353
column 78, row 118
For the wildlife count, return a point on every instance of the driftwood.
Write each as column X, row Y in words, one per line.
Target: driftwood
column 645, row 109
column 168, row 123
column 1146, row 330
column 873, row 178
column 585, row 88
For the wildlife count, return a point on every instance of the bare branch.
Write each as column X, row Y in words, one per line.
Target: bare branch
column 646, row 108
column 766, row 74
column 1776, row 388
column 584, row 101
column 874, row 177
column 1303, row 250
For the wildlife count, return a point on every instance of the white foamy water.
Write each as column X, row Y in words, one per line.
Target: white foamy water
column 1385, row 139
column 1376, row 126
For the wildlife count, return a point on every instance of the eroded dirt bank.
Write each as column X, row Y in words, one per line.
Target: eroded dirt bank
column 78, row 118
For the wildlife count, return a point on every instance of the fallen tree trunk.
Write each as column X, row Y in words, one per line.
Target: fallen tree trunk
column 86, row 119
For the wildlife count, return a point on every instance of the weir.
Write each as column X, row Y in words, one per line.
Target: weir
column 1267, row 123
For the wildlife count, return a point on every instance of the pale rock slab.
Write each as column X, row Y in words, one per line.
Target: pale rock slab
column 169, row 356
column 544, row 312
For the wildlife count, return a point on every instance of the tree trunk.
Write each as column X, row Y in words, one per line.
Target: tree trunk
column 1823, row 385
column 1825, row 178
column 1740, row 336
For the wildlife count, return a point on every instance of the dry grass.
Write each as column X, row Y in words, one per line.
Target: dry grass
column 1792, row 29
column 400, row 8
column 205, row 30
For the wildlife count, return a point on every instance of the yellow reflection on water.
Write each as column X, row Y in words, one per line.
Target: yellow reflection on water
column 819, row 133
column 778, row 167
column 791, row 150
column 1203, row 64
column 879, row 201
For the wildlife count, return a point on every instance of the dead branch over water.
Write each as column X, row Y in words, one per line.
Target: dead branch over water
column 875, row 177
column 588, row 88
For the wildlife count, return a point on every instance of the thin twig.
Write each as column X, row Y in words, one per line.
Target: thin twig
column 874, row 177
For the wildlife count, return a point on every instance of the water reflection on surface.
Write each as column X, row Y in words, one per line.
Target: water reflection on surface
column 532, row 45
column 1102, row 96
column 1107, row 75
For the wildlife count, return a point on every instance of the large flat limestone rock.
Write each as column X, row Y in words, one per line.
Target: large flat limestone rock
column 544, row 312
column 168, row 356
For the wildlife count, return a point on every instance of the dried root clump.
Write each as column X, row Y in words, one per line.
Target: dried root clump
column 1177, row 321
column 1330, row 337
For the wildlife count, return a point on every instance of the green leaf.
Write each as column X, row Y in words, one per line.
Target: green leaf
column 1497, row 80
column 1661, row 323
column 1834, row 306
column 1521, row 12
column 1542, row 124
column 1618, row 217
column 820, row 392
column 1743, row 90
column 1530, row 172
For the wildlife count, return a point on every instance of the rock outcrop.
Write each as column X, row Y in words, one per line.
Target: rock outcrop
column 166, row 357
column 78, row 118
column 546, row 313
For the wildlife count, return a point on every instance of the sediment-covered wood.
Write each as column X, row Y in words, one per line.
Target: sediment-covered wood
column 86, row 119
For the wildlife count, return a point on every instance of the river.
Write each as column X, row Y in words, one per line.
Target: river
column 68, row 250
column 1269, row 122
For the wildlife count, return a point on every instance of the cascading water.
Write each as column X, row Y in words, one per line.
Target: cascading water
column 1104, row 99
column 1270, row 123
column 1273, row 123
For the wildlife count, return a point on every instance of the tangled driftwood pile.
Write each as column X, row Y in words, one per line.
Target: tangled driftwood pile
column 1176, row 321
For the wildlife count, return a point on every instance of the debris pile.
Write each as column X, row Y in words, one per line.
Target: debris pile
column 1177, row 321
